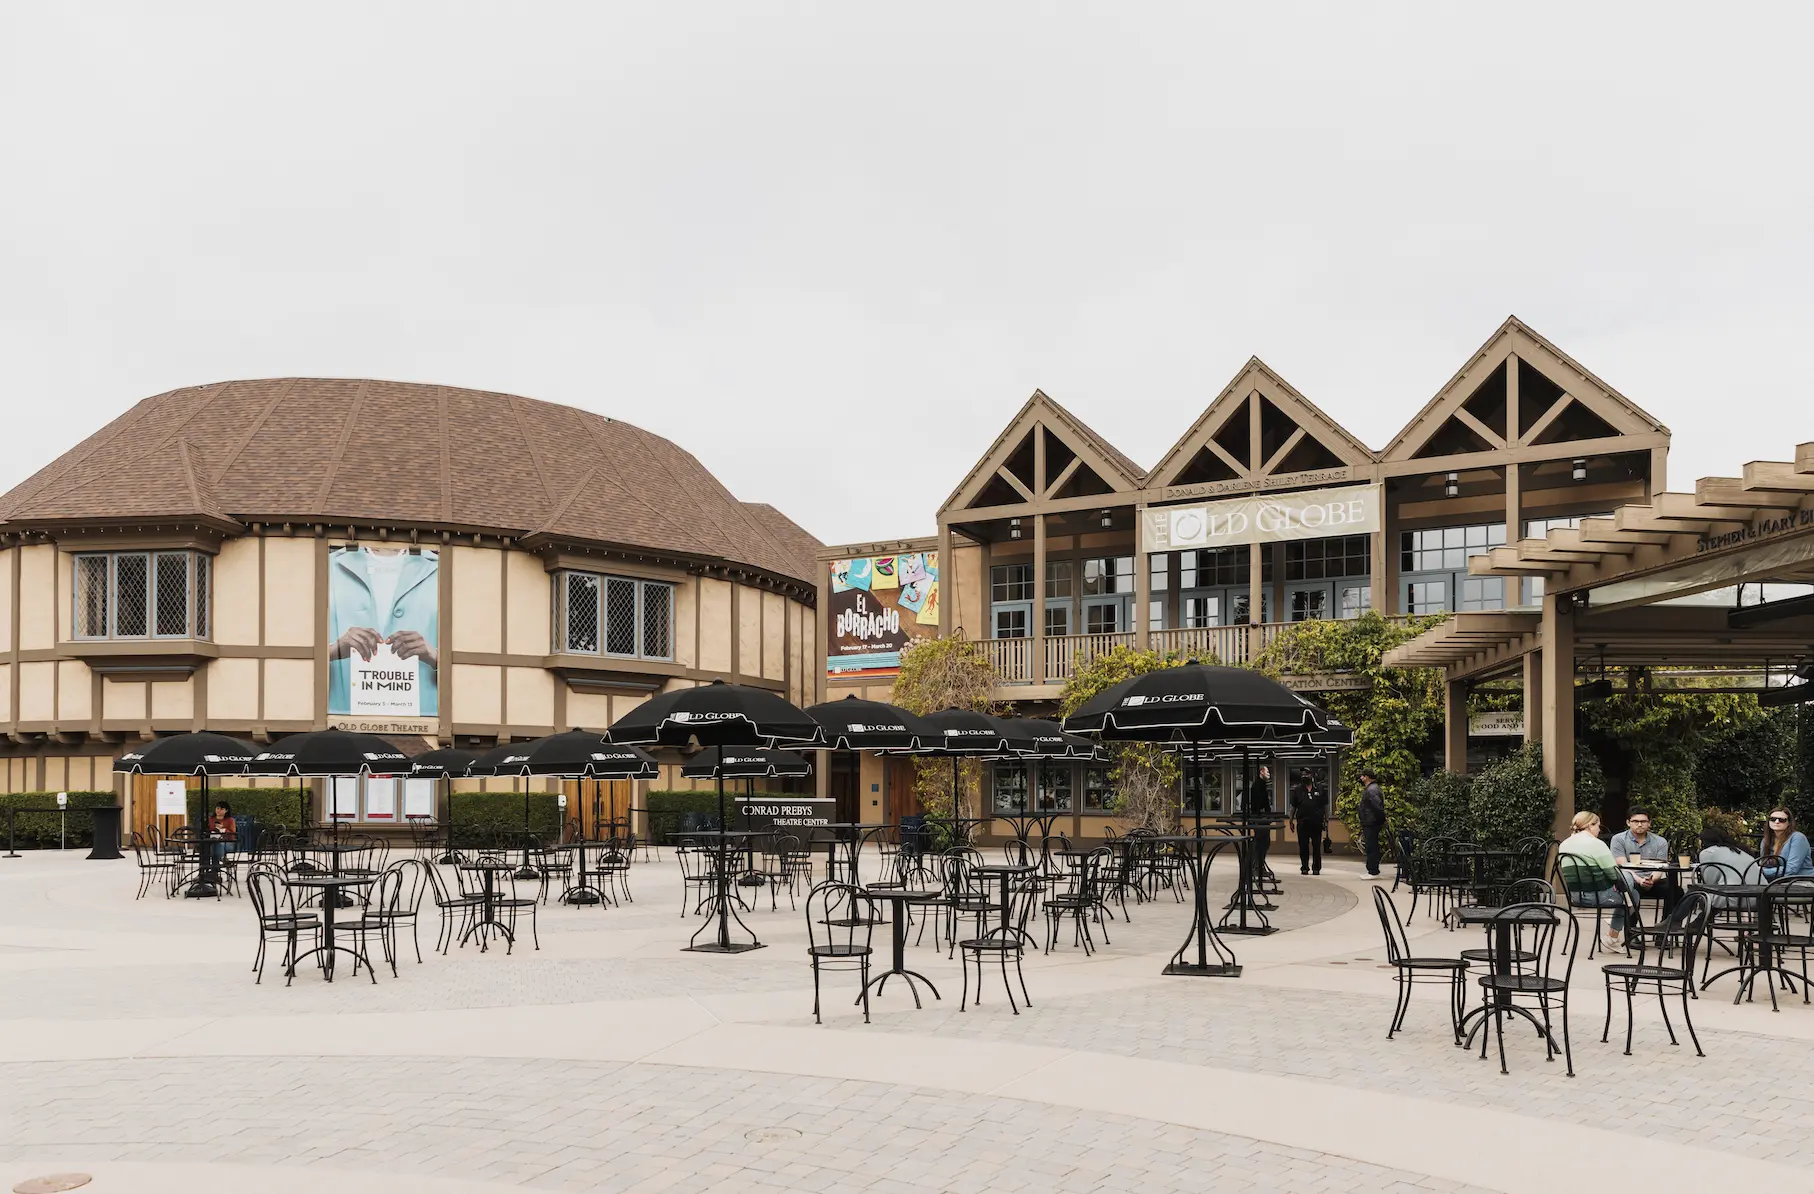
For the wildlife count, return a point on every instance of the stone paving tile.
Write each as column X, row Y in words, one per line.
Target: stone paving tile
column 569, row 1125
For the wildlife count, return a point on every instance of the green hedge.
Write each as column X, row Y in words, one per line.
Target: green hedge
column 40, row 830
column 1511, row 800
column 268, row 807
column 677, row 811
column 480, row 818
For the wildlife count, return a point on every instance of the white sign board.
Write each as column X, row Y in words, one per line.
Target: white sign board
column 62, row 799
column 384, row 684
column 1267, row 518
column 380, row 798
column 418, row 798
column 1507, row 724
column 561, row 800
column 172, row 798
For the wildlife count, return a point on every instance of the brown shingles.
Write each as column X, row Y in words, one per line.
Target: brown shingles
column 314, row 449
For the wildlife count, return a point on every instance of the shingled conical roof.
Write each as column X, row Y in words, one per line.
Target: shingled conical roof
column 333, row 450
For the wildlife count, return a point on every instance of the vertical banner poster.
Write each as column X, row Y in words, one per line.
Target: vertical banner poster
column 879, row 605
column 384, row 626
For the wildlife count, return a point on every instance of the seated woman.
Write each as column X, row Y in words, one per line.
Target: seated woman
column 1591, row 876
column 1783, row 841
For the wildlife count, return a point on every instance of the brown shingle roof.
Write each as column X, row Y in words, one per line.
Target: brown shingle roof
column 332, row 450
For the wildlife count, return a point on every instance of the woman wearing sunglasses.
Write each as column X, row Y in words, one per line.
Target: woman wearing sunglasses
column 1782, row 840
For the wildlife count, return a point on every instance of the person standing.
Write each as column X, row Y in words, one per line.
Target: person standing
column 1372, row 819
column 1259, row 804
column 1309, row 819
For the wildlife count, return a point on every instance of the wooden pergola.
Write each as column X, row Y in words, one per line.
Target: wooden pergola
column 1616, row 595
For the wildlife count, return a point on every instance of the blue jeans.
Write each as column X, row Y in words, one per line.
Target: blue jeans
column 220, row 850
column 1609, row 897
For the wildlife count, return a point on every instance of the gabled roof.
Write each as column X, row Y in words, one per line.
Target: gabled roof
column 1514, row 336
column 329, row 450
column 1114, row 466
column 1258, row 375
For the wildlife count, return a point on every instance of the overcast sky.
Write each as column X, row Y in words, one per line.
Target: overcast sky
column 831, row 248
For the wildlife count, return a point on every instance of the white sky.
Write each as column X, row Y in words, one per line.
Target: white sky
column 831, row 248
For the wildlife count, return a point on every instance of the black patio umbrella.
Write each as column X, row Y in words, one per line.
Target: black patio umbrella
column 573, row 754
column 328, row 753
column 1196, row 703
column 965, row 733
column 202, row 754
column 446, row 763
column 857, row 724
column 745, row 762
column 716, row 714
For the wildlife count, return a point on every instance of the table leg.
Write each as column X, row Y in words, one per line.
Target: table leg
column 1203, row 934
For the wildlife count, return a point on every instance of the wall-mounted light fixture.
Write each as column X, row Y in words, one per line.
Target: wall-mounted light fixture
column 1451, row 485
column 1579, row 472
column 1108, row 518
column 1014, row 528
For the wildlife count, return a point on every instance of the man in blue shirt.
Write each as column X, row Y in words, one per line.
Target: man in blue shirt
column 1637, row 842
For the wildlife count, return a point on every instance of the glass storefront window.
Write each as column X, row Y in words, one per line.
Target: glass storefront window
column 1011, row 582
column 1098, row 790
column 1353, row 600
column 1055, row 788
column 1328, row 559
column 1010, row 787
column 1058, row 578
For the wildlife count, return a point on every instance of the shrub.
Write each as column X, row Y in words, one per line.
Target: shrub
column 676, row 811
column 1511, row 800
column 1668, row 792
column 1590, row 780
column 1435, row 806
column 41, row 830
column 1733, row 824
column 1750, row 764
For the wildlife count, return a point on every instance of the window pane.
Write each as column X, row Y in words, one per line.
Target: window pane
column 1158, row 572
column 1355, row 599
column 620, row 616
column 131, row 595
column 582, row 613
column 1309, row 604
column 1010, row 623
column 1202, row 611
column 1102, row 618
column 1097, row 790
column 1428, row 596
column 1010, row 787
column 172, row 593
column 1011, row 582
column 657, row 617
column 1058, row 578
column 1055, row 788
column 1058, row 619
column 91, row 596
column 204, row 576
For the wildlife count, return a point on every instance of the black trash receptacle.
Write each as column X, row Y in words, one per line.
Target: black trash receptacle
column 106, row 821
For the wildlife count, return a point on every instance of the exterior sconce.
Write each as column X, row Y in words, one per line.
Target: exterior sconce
column 1451, row 485
column 1579, row 472
column 1014, row 528
column 1108, row 519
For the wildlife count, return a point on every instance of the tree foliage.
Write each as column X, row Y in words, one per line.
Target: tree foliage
column 1511, row 800
column 938, row 674
column 1434, row 806
column 1749, row 765
column 1393, row 719
column 1145, row 777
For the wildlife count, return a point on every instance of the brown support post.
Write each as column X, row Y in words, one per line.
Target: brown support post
column 947, row 573
column 1659, row 471
column 1558, row 725
column 1256, row 592
column 1376, row 567
column 1388, row 590
column 1143, row 581
column 1455, row 726
column 1533, row 697
column 1038, row 616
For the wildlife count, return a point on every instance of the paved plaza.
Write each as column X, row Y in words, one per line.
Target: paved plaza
column 134, row 1046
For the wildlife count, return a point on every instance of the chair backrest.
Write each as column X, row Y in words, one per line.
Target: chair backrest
column 1017, row 852
column 412, row 877
column 385, row 892
column 437, row 883
column 264, row 886
column 1398, row 947
column 1578, row 875
column 1532, row 940
column 1691, row 917
column 1531, row 891
column 839, row 915
column 1784, row 900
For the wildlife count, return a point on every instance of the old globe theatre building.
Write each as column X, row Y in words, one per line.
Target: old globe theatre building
column 431, row 563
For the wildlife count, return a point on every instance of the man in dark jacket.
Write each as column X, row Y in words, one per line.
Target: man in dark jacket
column 1309, row 819
column 1372, row 819
column 1259, row 804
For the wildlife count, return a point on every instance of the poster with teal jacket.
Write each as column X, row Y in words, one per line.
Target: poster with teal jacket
column 384, row 626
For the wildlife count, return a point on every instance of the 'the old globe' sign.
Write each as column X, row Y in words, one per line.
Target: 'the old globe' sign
column 1271, row 518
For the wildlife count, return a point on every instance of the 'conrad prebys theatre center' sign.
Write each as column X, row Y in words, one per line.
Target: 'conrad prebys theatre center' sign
column 1272, row 518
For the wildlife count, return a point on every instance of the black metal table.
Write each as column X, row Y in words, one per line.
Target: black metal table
column 900, row 898
column 1204, row 941
column 725, row 897
column 581, row 892
column 852, row 835
column 206, row 884
column 1752, row 959
column 331, row 887
column 1024, row 822
column 1501, row 928
column 488, row 921
column 1005, row 872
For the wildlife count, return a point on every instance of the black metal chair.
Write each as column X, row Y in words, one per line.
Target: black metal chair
column 1579, row 880
column 395, row 908
column 1411, row 970
column 964, row 895
column 1784, row 902
column 277, row 918
column 459, row 908
column 1081, row 899
column 376, row 916
column 1681, row 935
column 840, row 921
column 1516, row 931
column 1001, row 944
column 154, row 867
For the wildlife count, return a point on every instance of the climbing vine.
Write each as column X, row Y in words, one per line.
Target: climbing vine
column 1145, row 777
column 938, row 674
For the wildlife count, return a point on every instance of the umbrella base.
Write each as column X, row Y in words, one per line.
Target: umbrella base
column 1213, row 970
column 1245, row 930
column 734, row 947
column 581, row 895
column 200, row 890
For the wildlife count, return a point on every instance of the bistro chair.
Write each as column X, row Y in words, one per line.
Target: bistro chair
column 1570, row 873
column 611, row 867
column 1532, row 930
column 277, row 919
column 154, row 867
column 1000, row 944
column 555, row 865
column 1404, row 844
column 510, row 899
column 966, row 894
column 375, row 916
column 1082, row 900
column 1409, row 970
column 459, row 909
column 698, row 871
column 1727, row 914
column 840, row 921
column 1683, row 935
column 1784, row 902
column 412, row 879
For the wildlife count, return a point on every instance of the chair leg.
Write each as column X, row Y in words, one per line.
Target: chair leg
column 1606, row 1028
column 1499, row 1031
column 1398, row 1007
column 1689, row 1020
column 1568, row 1052
column 816, row 1019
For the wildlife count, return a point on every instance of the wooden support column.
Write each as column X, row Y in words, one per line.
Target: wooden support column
column 1143, row 580
column 1376, row 568
column 1455, row 726
column 1256, row 590
column 1385, row 593
column 1659, row 472
column 950, row 620
column 1533, row 697
column 1558, row 718
column 1038, row 616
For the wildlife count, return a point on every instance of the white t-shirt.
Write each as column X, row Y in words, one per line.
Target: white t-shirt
column 382, row 572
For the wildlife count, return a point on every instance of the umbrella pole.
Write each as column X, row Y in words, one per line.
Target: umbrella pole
column 957, row 810
column 449, row 856
column 724, row 871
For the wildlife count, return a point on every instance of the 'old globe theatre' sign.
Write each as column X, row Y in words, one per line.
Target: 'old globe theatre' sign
column 1272, row 518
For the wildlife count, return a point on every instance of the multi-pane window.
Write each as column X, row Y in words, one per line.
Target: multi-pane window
column 1098, row 789
column 1011, row 582
column 1200, row 611
column 613, row 615
column 1427, row 597
column 1108, row 575
column 1055, row 788
column 1353, row 600
column 1011, row 622
column 1327, row 559
column 1158, row 572
column 142, row 594
column 1213, row 569
column 1010, row 787
column 1482, row 592
column 1446, row 549
column 1058, row 578
column 1058, row 620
